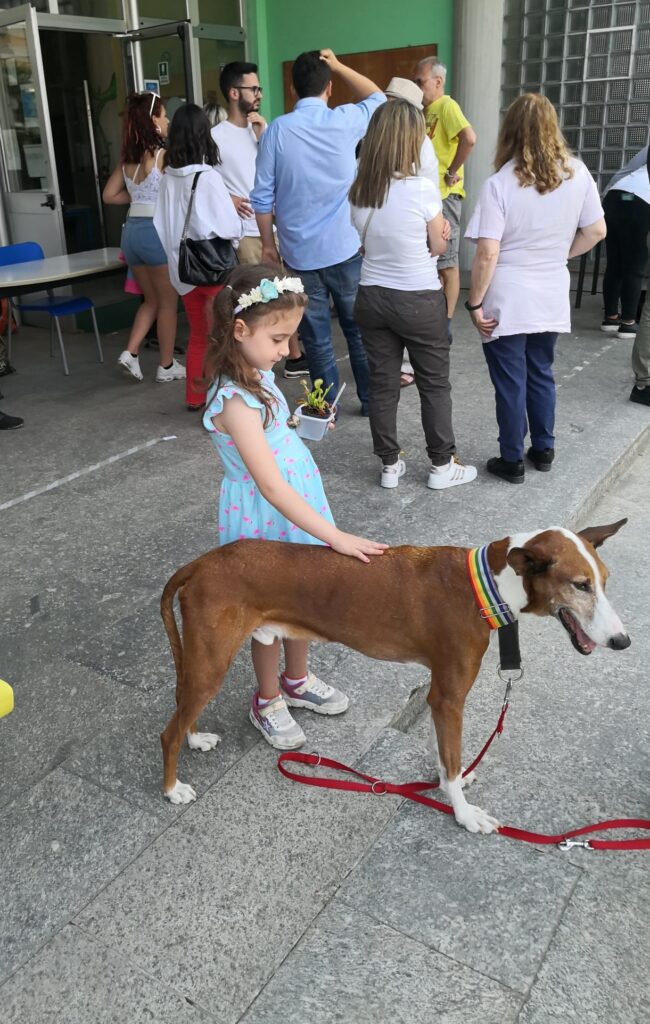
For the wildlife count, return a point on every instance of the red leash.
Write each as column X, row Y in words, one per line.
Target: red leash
column 413, row 791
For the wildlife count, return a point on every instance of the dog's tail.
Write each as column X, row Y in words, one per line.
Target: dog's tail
column 167, row 611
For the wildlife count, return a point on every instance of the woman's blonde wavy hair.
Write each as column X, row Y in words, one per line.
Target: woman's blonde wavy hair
column 390, row 149
column 530, row 135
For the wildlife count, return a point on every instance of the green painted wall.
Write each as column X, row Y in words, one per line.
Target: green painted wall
column 348, row 26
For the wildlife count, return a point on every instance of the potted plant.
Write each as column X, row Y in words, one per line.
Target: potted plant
column 314, row 414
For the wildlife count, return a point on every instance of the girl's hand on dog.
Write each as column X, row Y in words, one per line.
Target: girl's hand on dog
column 356, row 547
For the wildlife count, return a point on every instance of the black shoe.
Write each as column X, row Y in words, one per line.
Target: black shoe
column 627, row 331
column 640, row 395
column 513, row 472
column 296, row 367
column 610, row 324
column 364, row 409
column 541, row 460
column 10, row 422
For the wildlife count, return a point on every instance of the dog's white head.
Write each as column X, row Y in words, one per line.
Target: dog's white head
column 556, row 572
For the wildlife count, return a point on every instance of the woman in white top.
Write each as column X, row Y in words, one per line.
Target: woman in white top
column 538, row 210
column 191, row 149
column 400, row 303
column 136, row 180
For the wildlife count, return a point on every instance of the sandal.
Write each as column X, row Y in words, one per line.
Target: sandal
column 406, row 379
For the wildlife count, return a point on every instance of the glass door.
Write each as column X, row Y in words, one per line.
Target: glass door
column 32, row 198
column 159, row 58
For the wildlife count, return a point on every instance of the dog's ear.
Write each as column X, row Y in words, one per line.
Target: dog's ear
column 528, row 562
column 597, row 535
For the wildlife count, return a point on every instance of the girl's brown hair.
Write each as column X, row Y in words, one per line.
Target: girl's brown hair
column 530, row 135
column 224, row 357
column 390, row 149
column 139, row 133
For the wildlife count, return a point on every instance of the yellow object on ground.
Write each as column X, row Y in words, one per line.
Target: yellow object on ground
column 6, row 698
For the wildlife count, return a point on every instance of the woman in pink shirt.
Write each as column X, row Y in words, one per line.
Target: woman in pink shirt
column 539, row 209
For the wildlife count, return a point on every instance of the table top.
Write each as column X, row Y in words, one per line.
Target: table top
column 40, row 273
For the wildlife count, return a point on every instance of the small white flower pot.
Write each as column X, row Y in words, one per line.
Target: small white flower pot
column 312, row 428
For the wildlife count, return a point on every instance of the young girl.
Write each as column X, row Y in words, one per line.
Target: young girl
column 271, row 488
column 136, row 180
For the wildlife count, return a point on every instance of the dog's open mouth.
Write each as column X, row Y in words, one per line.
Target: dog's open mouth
column 579, row 638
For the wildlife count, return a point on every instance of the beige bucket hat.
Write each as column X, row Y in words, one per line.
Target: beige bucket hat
column 404, row 89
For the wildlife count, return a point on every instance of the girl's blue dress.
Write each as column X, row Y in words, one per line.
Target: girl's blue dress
column 243, row 512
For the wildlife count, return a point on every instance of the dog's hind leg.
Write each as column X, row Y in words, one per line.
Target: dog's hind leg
column 208, row 651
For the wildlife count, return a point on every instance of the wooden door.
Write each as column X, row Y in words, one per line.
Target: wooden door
column 378, row 65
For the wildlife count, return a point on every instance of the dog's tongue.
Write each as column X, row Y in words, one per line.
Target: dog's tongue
column 586, row 642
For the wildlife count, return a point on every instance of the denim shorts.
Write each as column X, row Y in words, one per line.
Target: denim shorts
column 140, row 243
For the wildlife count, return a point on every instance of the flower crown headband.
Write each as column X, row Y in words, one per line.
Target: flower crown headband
column 268, row 290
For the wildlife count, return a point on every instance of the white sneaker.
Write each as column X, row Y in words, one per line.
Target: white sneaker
column 451, row 475
column 175, row 372
column 130, row 364
column 390, row 474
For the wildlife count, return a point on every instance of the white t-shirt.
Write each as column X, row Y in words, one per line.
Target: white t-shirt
column 396, row 253
column 238, row 151
column 529, row 292
column 637, row 182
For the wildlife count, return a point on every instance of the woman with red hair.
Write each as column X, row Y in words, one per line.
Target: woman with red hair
column 136, row 181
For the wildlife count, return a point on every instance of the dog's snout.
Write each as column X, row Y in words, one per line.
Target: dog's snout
column 619, row 642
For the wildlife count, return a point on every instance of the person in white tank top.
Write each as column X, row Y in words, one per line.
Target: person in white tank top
column 136, row 182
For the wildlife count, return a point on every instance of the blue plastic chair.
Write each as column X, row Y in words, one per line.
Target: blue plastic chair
column 27, row 252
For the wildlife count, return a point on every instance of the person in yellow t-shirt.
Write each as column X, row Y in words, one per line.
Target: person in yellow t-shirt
column 453, row 139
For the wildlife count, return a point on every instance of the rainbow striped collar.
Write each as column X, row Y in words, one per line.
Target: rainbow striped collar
column 491, row 606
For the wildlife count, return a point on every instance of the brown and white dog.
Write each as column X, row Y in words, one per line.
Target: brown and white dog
column 408, row 605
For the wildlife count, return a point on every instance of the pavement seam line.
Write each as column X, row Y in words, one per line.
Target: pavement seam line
column 137, row 967
column 439, row 952
column 54, row 484
column 324, row 907
column 580, row 874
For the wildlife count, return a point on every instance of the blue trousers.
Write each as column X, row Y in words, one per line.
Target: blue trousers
column 521, row 370
column 341, row 282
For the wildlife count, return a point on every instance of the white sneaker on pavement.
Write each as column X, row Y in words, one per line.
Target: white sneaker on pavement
column 390, row 475
column 130, row 365
column 174, row 372
column 451, row 475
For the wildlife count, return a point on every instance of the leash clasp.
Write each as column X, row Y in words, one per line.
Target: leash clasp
column 510, row 678
column 567, row 844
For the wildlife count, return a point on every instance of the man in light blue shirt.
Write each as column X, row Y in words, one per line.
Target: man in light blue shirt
column 305, row 167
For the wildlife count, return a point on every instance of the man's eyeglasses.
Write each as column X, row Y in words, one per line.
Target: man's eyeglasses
column 154, row 97
column 255, row 89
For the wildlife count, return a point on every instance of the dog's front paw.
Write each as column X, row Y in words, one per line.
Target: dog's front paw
column 180, row 793
column 475, row 820
column 202, row 740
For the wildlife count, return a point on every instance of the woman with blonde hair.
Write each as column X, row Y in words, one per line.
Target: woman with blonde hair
column 400, row 304
column 539, row 209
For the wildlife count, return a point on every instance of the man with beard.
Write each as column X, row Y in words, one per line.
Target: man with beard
column 237, row 138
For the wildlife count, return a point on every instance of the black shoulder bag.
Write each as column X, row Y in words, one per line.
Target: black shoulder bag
column 205, row 261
